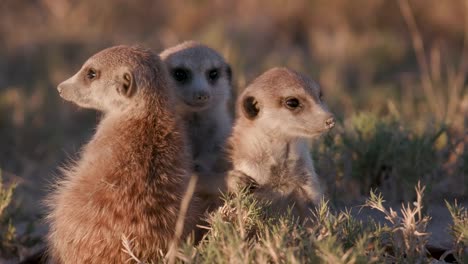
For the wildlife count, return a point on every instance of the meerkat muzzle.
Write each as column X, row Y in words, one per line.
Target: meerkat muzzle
column 330, row 123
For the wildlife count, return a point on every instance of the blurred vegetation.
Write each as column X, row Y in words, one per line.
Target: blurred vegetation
column 371, row 151
column 459, row 230
column 394, row 73
column 7, row 233
column 13, row 242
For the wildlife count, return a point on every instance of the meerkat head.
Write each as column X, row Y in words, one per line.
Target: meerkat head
column 286, row 103
column 201, row 75
column 111, row 79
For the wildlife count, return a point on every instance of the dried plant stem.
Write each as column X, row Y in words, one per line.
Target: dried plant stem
column 418, row 46
column 172, row 252
column 460, row 76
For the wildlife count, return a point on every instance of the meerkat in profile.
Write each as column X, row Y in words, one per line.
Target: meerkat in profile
column 277, row 113
column 132, row 175
column 203, row 87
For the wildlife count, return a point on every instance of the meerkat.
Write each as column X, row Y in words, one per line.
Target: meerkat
column 277, row 113
column 203, row 89
column 132, row 175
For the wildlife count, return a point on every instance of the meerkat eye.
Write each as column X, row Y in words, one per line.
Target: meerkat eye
column 91, row 74
column 292, row 103
column 213, row 74
column 320, row 96
column 180, row 74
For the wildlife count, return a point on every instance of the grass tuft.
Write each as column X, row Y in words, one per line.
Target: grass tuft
column 459, row 230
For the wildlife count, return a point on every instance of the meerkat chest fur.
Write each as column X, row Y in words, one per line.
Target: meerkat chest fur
column 207, row 132
column 280, row 164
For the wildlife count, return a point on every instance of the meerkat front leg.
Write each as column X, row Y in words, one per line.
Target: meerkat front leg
column 237, row 180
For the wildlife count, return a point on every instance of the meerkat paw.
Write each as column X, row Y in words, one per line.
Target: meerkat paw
column 237, row 180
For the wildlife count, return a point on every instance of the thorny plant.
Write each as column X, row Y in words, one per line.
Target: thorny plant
column 408, row 236
column 459, row 231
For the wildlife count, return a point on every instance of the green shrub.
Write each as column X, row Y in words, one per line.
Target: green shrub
column 370, row 151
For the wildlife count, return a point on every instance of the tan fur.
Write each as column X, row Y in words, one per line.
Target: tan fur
column 208, row 122
column 269, row 148
column 132, row 175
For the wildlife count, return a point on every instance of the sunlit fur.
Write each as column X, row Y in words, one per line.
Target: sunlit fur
column 209, row 123
column 269, row 150
column 131, row 176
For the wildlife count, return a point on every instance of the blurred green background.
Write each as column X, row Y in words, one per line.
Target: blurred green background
column 394, row 72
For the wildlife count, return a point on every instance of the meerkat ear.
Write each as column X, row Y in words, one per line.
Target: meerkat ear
column 127, row 87
column 250, row 107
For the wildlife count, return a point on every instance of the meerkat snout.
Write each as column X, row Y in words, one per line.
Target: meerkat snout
column 201, row 97
column 59, row 88
column 330, row 123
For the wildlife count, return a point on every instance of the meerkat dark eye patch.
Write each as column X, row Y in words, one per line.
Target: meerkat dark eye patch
column 91, row 74
column 292, row 103
column 127, row 86
column 250, row 107
column 213, row 74
column 229, row 73
column 181, row 75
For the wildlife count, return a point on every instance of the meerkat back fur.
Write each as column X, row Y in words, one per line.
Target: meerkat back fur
column 131, row 176
column 277, row 113
column 203, row 88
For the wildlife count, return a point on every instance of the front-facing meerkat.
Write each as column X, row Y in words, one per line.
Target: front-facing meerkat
column 202, row 81
column 277, row 113
column 132, row 175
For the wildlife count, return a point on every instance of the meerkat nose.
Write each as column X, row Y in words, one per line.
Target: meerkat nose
column 59, row 88
column 330, row 123
column 202, row 96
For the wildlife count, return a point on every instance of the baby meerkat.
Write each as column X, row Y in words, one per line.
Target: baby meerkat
column 277, row 113
column 203, row 88
column 132, row 175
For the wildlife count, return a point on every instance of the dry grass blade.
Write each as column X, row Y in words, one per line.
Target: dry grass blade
column 460, row 76
column 459, row 230
column 5, row 194
column 174, row 245
column 408, row 236
column 418, row 46
column 127, row 248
